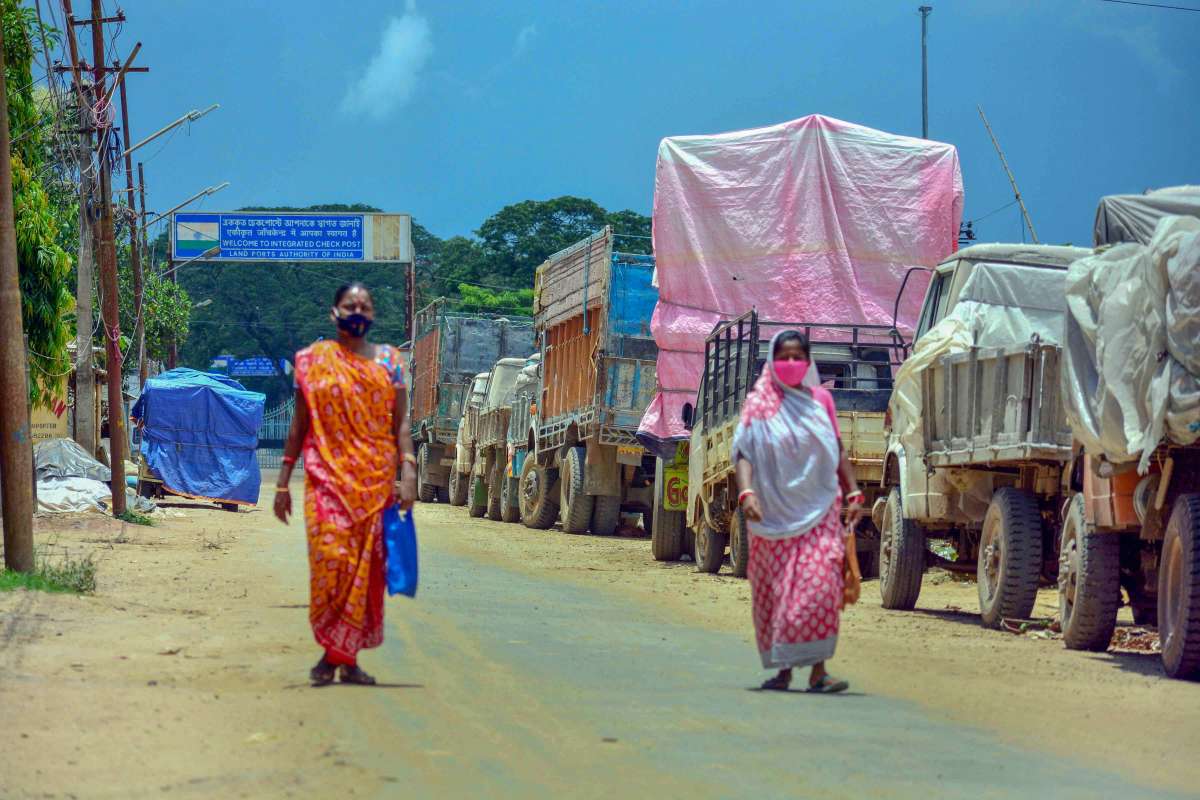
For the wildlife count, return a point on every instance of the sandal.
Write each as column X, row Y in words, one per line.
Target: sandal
column 355, row 675
column 322, row 674
column 779, row 683
column 828, row 685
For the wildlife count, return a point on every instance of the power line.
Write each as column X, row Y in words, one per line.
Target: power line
column 1152, row 5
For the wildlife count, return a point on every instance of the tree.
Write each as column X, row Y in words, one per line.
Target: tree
column 477, row 299
column 39, row 216
column 519, row 237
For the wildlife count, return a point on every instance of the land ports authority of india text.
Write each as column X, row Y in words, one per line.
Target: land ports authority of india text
column 284, row 237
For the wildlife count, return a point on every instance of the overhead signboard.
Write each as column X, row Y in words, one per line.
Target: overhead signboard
column 272, row 236
column 254, row 367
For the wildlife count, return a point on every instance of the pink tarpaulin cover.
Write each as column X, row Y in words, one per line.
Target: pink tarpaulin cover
column 814, row 220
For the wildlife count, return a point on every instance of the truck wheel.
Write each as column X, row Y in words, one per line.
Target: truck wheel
column 739, row 544
column 495, row 504
column 509, row 510
column 666, row 533
column 867, row 541
column 1179, row 591
column 1010, row 557
column 477, row 504
column 710, row 548
column 459, row 484
column 576, row 504
column 606, row 515
column 1089, row 582
column 538, row 510
column 426, row 491
column 901, row 556
column 443, row 494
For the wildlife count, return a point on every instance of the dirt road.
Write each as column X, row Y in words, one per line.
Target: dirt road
column 540, row 664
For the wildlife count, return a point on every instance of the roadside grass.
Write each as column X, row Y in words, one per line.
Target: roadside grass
column 60, row 575
column 134, row 518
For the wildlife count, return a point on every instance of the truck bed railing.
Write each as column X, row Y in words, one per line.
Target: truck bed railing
column 856, row 361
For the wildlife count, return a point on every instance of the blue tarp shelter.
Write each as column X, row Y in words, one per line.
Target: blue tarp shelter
column 199, row 435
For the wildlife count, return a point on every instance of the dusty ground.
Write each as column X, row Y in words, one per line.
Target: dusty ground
column 184, row 674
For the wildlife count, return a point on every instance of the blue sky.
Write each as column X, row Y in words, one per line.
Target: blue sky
column 450, row 110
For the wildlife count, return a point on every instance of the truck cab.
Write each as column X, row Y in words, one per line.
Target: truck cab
column 464, row 447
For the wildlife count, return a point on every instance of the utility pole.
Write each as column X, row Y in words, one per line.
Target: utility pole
column 925, row 10
column 135, row 255
column 16, row 449
column 109, row 301
column 1011, row 178
column 85, row 374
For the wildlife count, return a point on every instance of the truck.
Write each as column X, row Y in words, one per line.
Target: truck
column 449, row 349
column 521, row 421
column 1131, row 382
column 978, row 436
column 854, row 361
column 482, row 452
column 592, row 308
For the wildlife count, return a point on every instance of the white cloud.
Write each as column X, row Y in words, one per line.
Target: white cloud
column 391, row 77
column 525, row 37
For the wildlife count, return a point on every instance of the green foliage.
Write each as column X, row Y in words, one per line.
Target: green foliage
column 39, row 214
column 477, row 299
column 166, row 312
column 62, row 574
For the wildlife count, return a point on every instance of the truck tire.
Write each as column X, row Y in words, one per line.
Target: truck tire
column 606, row 515
column 495, row 504
column 710, row 549
column 426, row 491
column 1010, row 557
column 867, row 539
column 1179, row 591
column 538, row 509
column 1089, row 582
column 509, row 510
column 576, row 504
column 901, row 556
column 477, row 505
column 666, row 533
column 443, row 494
column 739, row 544
column 459, row 484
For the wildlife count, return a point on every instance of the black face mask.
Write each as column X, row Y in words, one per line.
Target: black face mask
column 356, row 325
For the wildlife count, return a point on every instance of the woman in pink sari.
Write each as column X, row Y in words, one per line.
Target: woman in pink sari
column 793, row 473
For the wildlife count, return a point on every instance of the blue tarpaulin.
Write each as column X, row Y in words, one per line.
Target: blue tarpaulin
column 200, row 433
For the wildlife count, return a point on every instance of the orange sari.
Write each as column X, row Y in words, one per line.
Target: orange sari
column 350, row 460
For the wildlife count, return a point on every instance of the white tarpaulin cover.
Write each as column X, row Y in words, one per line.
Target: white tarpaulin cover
column 1132, row 358
column 814, row 220
column 1134, row 217
column 1000, row 305
column 72, row 494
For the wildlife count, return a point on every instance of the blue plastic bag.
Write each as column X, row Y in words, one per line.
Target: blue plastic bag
column 400, row 538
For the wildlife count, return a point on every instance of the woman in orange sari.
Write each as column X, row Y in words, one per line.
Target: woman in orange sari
column 351, row 421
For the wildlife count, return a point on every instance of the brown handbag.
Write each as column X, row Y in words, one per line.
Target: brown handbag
column 851, row 574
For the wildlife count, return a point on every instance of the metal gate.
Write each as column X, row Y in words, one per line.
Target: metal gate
column 273, row 434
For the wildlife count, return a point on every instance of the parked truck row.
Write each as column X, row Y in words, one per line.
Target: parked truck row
column 989, row 423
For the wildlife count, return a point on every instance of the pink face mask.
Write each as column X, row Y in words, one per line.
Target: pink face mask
column 791, row 373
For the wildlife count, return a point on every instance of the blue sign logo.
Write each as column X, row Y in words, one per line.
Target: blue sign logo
column 256, row 367
column 267, row 236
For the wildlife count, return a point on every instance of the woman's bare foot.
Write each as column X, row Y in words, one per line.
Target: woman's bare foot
column 322, row 674
column 355, row 675
column 780, row 682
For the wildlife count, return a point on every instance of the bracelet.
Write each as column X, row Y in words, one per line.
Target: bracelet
column 744, row 495
column 409, row 458
column 856, row 496
column 289, row 460
column 284, row 489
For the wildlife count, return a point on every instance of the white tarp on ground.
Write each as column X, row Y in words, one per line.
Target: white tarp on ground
column 1132, row 366
column 72, row 494
column 65, row 458
column 1001, row 305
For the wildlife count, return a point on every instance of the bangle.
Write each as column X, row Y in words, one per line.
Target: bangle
column 289, row 460
column 409, row 458
column 744, row 495
column 284, row 489
column 856, row 496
